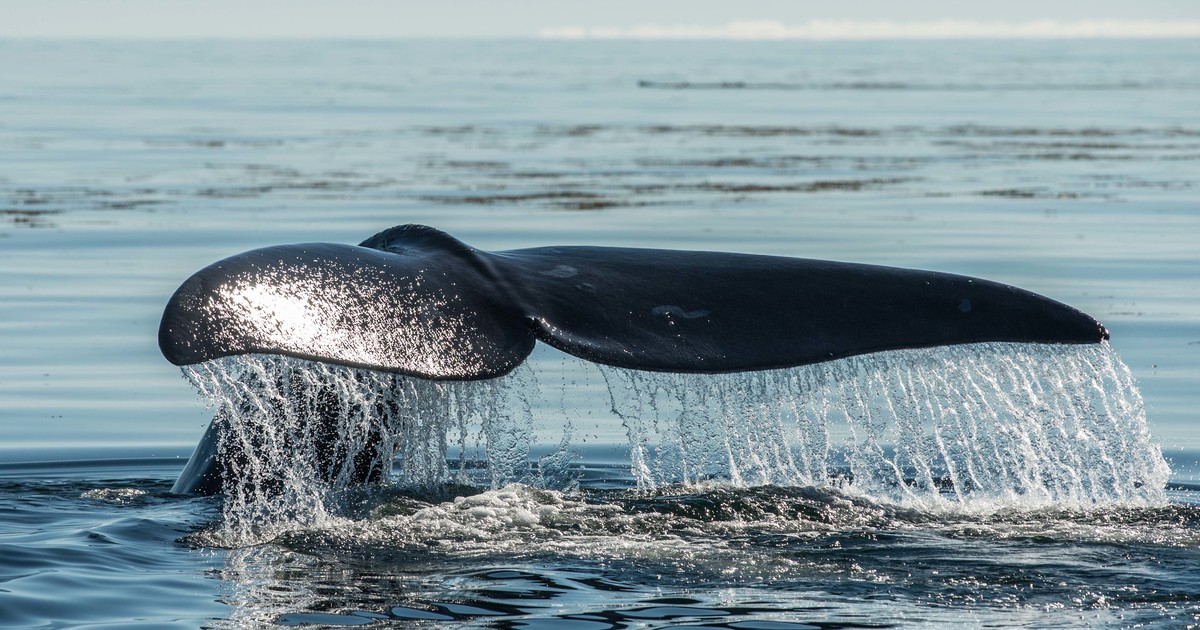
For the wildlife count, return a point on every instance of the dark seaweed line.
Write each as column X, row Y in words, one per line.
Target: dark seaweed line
column 727, row 130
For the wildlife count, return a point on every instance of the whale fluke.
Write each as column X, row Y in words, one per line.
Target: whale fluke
column 417, row 301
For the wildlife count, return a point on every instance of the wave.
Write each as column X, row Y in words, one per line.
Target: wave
column 768, row 30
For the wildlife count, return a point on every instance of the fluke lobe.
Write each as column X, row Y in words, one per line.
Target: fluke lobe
column 415, row 300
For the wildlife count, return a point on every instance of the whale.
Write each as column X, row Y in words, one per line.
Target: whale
column 416, row 301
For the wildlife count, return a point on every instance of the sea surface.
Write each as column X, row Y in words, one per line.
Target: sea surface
column 992, row 486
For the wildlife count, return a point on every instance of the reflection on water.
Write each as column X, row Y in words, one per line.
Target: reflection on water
column 606, row 166
column 519, row 557
column 738, row 558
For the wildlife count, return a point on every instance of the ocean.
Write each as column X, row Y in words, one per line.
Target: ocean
column 994, row 486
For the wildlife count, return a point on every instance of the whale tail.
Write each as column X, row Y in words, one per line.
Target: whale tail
column 415, row 301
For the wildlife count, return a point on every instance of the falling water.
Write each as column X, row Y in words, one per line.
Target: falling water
column 1000, row 423
column 973, row 425
column 297, row 434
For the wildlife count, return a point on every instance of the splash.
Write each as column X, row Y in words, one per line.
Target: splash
column 993, row 424
column 997, row 423
column 298, row 435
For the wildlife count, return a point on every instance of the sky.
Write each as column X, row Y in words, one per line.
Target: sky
column 573, row 18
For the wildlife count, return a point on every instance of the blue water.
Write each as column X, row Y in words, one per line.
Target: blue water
column 1067, row 168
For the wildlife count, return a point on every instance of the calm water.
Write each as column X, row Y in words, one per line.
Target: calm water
column 1070, row 169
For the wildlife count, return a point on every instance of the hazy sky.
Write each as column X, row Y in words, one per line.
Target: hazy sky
column 520, row 18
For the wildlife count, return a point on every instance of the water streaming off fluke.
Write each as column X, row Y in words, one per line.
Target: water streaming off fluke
column 970, row 427
column 1020, row 423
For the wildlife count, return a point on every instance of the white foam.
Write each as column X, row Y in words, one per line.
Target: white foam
column 769, row 30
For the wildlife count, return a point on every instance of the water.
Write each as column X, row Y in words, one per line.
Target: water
column 1068, row 168
column 973, row 428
